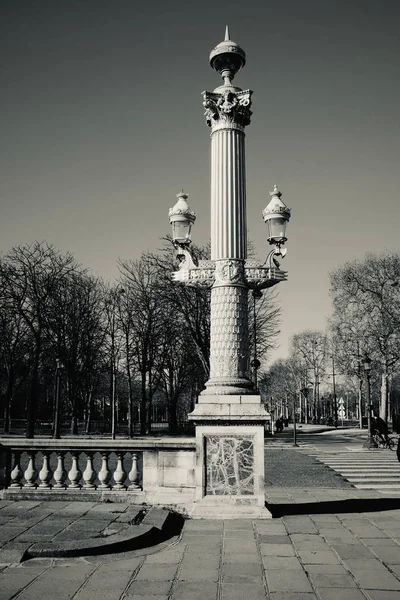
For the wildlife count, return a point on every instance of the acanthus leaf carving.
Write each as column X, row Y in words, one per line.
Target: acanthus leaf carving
column 229, row 107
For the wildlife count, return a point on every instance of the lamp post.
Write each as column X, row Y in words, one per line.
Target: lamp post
column 359, row 375
column 335, row 405
column 56, row 428
column 229, row 415
column 255, row 363
column 294, row 420
column 304, row 391
column 115, row 295
column 370, row 442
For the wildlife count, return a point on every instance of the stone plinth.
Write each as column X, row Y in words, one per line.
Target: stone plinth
column 230, row 457
column 230, row 472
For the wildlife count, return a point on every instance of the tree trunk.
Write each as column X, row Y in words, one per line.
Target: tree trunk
column 143, row 414
column 33, row 396
column 173, row 416
column 74, row 403
column 88, row 420
column 130, row 402
column 149, row 413
column 384, row 396
column 360, row 411
column 7, row 402
column 6, row 424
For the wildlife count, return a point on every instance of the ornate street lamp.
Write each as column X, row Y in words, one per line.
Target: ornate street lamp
column 181, row 218
column 370, row 442
column 276, row 215
column 229, row 415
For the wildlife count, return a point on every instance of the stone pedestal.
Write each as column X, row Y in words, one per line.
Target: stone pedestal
column 229, row 457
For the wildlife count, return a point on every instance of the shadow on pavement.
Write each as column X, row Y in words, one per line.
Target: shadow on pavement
column 171, row 527
column 353, row 505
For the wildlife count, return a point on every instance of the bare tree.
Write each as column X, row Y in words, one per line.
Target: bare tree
column 281, row 386
column 179, row 365
column 264, row 321
column 191, row 305
column 32, row 275
column 368, row 293
column 309, row 350
column 14, row 354
column 144, row 310
column 73, row 326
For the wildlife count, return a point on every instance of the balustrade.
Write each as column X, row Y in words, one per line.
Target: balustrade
column 144, row 468
column 87, row 470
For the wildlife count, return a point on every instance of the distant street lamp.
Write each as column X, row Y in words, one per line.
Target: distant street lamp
column 115, row 295
column 294, row 420
column 304, row 391
column 370, row 442
column 335, row 405
column 56, row 427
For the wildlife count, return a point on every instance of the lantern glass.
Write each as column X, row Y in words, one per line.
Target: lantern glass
column 367, row 363
column 181, row 231
column 277, row 228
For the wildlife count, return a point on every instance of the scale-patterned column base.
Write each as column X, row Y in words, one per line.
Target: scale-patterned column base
column 229, row 333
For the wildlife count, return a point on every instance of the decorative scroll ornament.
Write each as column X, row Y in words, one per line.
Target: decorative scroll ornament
column 228, row 272
column 228, row 107
column 192, row 275
column 264, row 276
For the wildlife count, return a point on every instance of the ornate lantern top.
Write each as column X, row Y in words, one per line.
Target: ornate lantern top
column 227, row 58
column 182, row 208
column 181, row 217
column 276, row 206
column 276, row 214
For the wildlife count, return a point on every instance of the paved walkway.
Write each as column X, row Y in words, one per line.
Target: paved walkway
column 315, row 551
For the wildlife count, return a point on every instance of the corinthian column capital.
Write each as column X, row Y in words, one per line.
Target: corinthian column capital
column 227, row 109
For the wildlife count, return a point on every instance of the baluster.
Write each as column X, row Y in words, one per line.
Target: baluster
column 74, row 474
column 104, row 473
column 89, row 474
column 119, row 474
column 30, row 473
column 134, row 473
column 60, row 473
column 17, row 473
column 45, row 473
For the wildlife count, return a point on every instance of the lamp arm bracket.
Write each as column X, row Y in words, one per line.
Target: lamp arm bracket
column 201, row 275
column 263, row 276
column 271, row 262
column 185, row 258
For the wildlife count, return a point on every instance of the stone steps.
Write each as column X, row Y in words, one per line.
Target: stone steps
column 378, row 469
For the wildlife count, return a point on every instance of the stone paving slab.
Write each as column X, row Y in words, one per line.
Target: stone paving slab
column 31, row 529
column 337, row 556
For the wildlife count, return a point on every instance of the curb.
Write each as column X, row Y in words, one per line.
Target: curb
column 157, row 526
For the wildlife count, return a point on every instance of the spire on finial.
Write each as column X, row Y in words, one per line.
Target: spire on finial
column 275, row 192
column 182, row 194
column 227, row 58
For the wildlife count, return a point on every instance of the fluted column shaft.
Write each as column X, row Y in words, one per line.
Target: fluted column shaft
column 228, row 195
column 227, row 113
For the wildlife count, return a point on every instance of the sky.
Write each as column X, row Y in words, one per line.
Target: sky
column 101, row 123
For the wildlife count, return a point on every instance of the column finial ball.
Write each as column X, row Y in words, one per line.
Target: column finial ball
column 227, row 57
